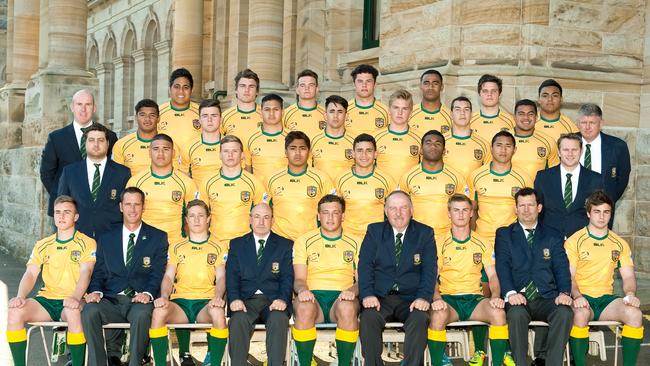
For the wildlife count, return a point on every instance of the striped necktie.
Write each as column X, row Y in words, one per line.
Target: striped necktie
column 398, row 247
column 96, row 181
column 260, row 251
column 588, row 157
column 568, row 191
column 531, row 292
column 530, row 236
column 82, row 143
column 130, row 247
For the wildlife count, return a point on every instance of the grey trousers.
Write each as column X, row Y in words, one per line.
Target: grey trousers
column 371, row 327
column 121, row 310
column 242, row 325
column 559, row 318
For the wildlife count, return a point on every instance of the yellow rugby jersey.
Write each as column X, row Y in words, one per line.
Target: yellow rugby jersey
column 556, row 127
column 294, row 198
column 534, row 153
column 466, row 154
column 264, row 152
column 133, row 152
column 397, row 152
column 180, row 124
column 331, row 262
column 196, row 266
column 60, row 261
column 200, row 159
column 364, row 199
column 488, row 126
column 332, row 155
column 423, row 120
column 430, row 191
column 460, row 264
column 310, row 121
column 370, row 119
column 596, row 259
column 230, row 201
column 495, row 194
column 165, row 200
column 242, row 124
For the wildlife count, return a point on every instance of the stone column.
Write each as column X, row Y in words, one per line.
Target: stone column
column 143, row 71
column 67, row 34
column 163, row 49
column 188, row 40
column 105, row 82
column 123, row 89
column 265, row 41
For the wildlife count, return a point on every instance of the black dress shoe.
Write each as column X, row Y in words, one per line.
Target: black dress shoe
column 538, row 362
column 146, row 360
column 114, row 361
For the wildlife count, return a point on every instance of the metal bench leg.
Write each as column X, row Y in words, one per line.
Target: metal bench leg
column 47, row 353
column 616, row 347
column 170, row 351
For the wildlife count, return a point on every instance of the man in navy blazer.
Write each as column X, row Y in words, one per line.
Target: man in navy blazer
column 259, row 290
column 603, row 153
column 96, row 183
column 397, row 272
column 563, row 189
column 533, row 270
column 67, row 145
column 131, row 262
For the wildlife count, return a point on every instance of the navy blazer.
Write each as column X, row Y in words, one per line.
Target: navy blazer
column 110, row 274
column 417, row 270
column 60, row 150
column 274, row 275
column 615, row 166
column 546, row 264
column 103, row 214
column 548, row 185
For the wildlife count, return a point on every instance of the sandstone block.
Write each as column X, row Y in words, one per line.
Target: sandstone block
column 490, row 55
column 641, row 254
column 643, row 147
column 642, row 182
column 576, row 14
column 623, row 19
column 624, row 44
column 642, row 220
column 535, row 12
column 624, row 218
column 622, row 109
column 483, row 11
column 491, row 34
column 561, row 37
column 592, row 61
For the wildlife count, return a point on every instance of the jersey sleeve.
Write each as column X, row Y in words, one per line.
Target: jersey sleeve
column 191, row 192
column 471, row 189
column 248, row 157
column 260, row 190
column 626, row 256
column 571, row 251
column 36, row 257
column 183, row 158
column 299, row 252
column 403, row 185
column 118, row 155
column 89, row 255
column 328, row 186
column 488, row 256
column 554, row 158
column 173, row 257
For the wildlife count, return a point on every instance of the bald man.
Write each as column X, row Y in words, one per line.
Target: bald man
column 68, row 145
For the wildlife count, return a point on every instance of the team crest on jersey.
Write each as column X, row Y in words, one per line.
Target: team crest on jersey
column 146, row 262
column 416, row 259
column 478, row 154
column 444, row 129
column 616, row 255
column 311, row 191
column 196, row 124
column 379, row 193
column 414, row 150
column 379, row 122
column 176, row 196
column 541, row 151
column 613, row 172
column 113, row 194
column 478, row 258
column 547, row 253
column 322, row 125
column 245, row 196
column 348, row 154
column 75, row 255
column 212, row 259
column 275, row 267
column 450, row 189
column 348, row 256
column 514, row 190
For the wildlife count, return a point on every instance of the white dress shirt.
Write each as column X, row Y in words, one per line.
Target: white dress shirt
column 77, row 130
column 574, row 180
column 257, row 249
column 596, row 153
column 90, row 166
column 395, row 232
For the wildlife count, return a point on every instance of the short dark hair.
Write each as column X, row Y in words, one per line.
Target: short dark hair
column 307, row 72
column 271, row 97
column 247, row 74
column 332, row 198
column 598, row 198
column 200, row 203
column 132, row 189
column 364, row 137
column 569, row 136
column 231, row 138
column 181, row 73
column 547, row 83
column 433, row 133
column 458, row 197
column 460, row 98
column 97, row 127
column 296, row 135
column 146, row 103
column 364, row 69
column 503, row 133
column 431, row 72
column 64, row 198
column 336, row 99
column 525, row 192
column 488, row 78
column 209, row 103
column 164, row 137
column 527, row 102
